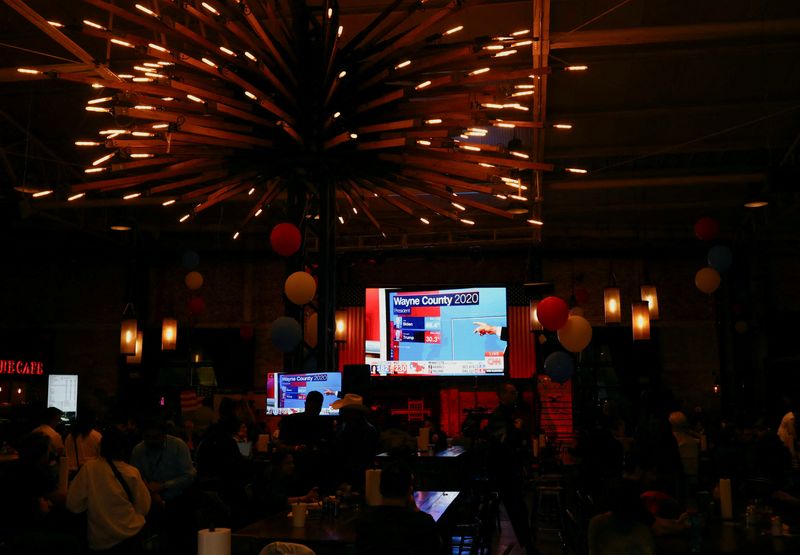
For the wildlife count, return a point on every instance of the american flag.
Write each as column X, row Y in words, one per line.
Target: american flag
column 189, row 400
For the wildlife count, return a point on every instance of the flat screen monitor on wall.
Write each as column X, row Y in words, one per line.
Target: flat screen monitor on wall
column 435, row 332
column 62, row 393
column 286, row 393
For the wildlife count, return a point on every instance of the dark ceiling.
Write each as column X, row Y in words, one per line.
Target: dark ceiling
column 686, row 109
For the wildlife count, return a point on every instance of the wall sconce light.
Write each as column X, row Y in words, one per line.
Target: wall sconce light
column 536, row 325
column 650, row 295
column 136, row 357
column 169, row 334
column 128, row 331
column 340, row 334
column 640, row 320
column 611, row 302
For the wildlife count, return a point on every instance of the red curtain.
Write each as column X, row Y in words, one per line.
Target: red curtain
column 522, row 344
column 352, row 350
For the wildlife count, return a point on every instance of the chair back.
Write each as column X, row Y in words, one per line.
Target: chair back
column 286, row 548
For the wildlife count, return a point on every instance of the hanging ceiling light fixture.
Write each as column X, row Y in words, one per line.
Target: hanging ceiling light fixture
column 650, row 296
column 169, row 334
column 136, row 357
column 640, row 320
column 128, row 331
column 611, row 303
column 340, row 335
column 380, row 114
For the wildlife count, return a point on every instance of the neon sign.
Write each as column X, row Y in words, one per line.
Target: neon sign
column 22, row 367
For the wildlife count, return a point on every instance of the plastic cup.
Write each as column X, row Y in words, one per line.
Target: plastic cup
column 299, row 515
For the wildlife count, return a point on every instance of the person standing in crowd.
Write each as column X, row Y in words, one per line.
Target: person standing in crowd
column 83, row 442
column 115, row 497
column 50, row 426
column 397, row 526
column 306, row 429
column 310, row 435
column 508, row 450
column 357, row 440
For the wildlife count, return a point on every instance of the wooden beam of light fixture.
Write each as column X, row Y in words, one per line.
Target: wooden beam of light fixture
column 383, row 112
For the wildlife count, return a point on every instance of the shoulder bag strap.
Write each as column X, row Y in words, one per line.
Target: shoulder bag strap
column 121, row 480
column 77, row 458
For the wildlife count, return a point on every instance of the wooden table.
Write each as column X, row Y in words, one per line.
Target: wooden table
column 733, row 538
column 323, row 533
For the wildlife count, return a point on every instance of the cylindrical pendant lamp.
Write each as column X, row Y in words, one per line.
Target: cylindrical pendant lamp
column 640, row 320
column 169, row 334
column 611, row 302
column 127, row 336
column 136, row 357
column 650, row 295
column 340, row 334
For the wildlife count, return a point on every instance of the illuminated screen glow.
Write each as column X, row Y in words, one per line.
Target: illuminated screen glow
column 435, row 332
column 286, row 393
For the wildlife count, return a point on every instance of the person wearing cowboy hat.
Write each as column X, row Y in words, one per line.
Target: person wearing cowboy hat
column 357, row 439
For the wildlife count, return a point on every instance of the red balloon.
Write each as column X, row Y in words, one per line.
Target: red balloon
column 553, row 313
column 285, row 239
column 706, row 228
column 196, row 306
column 246, row 332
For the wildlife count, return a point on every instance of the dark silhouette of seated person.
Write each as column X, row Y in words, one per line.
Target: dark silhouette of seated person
column 306, row 429
column 638, row 510
column 397, row 527
column 164, row 462
column 768, row 473
column 437, row 436
column 626, row 527
column 396, row 439
column 280, row 486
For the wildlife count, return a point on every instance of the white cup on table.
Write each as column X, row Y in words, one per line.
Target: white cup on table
column 299, row 515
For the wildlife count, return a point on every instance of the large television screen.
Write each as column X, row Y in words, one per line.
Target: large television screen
column 441, row 332
column 286, row 393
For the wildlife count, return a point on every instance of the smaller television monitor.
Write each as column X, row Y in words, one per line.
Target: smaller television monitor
column 286, row 393
column 62, row 393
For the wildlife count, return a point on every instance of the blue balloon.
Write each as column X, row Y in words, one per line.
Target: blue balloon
column 720, row 257
column 559, row 366
column 286, row 334
column 190, row 260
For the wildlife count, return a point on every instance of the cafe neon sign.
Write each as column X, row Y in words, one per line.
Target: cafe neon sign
column 22, row 367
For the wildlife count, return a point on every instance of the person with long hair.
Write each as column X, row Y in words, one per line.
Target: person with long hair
column 115, row 496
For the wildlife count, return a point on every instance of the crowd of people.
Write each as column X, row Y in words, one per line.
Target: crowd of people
column 646, row 486
column 147, row 484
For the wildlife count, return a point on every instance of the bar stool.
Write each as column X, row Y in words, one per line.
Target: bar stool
column 549, row 509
